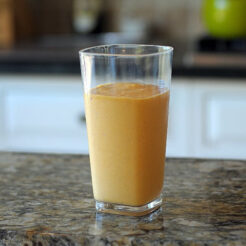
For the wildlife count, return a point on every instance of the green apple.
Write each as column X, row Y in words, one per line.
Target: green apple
column 225, row 18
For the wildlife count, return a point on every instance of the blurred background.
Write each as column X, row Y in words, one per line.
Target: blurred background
column 41, row 99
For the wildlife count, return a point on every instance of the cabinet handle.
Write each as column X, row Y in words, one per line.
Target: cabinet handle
column 82, row 118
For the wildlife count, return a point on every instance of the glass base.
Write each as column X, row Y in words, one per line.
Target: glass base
column 112, row 208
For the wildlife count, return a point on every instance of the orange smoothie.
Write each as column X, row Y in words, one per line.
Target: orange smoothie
column 127, row 128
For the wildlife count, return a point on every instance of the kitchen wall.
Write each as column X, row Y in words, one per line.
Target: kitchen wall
column 176, row 19
column 179, row 19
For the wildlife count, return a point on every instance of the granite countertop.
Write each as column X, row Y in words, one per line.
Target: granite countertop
column 47, row 200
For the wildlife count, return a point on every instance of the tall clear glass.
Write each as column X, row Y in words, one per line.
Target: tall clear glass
column 126, row 93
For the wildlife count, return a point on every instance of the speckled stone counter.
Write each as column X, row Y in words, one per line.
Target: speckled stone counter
column 47, row 200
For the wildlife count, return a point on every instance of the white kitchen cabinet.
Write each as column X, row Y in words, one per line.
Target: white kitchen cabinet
column 42, row 114
column 46, row 114
column 219, row 113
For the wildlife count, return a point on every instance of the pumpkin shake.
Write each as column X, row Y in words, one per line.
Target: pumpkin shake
column 127, row 127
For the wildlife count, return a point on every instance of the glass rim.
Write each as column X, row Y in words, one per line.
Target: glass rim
column 164, row 49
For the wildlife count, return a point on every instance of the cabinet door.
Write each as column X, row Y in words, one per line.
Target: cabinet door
column 44, row 114
column 220, row 116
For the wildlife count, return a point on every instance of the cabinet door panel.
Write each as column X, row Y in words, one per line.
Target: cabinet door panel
column 42, row 113
column 219, row 119
column 226, row 119
column 44, row 116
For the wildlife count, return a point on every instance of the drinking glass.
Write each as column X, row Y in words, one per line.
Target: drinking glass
column 126, row 94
